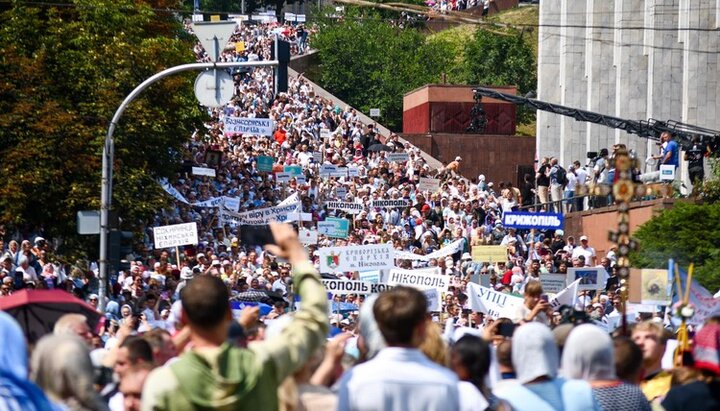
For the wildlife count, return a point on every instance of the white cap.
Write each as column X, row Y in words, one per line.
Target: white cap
column 583, row 238
column 458, row 158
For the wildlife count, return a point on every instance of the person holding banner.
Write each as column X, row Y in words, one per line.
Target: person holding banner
column 535, row 306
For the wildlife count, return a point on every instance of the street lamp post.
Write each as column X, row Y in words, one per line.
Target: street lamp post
column 109, row 147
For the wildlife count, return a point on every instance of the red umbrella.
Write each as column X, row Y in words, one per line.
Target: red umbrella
column 37, row 311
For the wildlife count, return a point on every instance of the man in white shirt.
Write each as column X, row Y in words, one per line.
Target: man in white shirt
column 586, row 251
column 400, row 377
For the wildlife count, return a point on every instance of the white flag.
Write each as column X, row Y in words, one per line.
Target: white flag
column 568, row 296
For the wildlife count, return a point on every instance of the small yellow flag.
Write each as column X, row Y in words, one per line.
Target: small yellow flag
column 240, row 46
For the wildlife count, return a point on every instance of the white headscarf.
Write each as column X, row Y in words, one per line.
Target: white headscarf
column 534, row 353
column 588, row 354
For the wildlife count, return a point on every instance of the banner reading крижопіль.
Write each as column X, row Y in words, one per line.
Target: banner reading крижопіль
column 540, row 221
column 242, row 125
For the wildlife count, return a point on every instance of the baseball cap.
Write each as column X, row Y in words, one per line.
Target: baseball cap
column 583, row 238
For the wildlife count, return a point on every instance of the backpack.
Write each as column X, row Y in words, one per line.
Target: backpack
column 562, row 176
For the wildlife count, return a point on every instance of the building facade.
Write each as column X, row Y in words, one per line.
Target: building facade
column 633, row 59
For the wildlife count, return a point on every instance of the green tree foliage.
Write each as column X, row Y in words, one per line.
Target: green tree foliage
column 688, row 233
column 498, row 59
column 65, row 72
column 369, row 63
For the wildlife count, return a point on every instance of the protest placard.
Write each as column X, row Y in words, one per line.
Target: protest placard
column 397, row 157
column 283, row 177
column 265, row 163
column 334, row 227
column 241, row 125
column 293, row 170
column 428, row 184
column 317, row 156
column 280, row 213
column 488, row 301
column 351, row 208
column 421, row 279
column 327, row 170
column 540, row 221
column 353, row 171
column 447, row 250
column 345, row 287
column 341, row 192
column 175, row 235
column 356, row 258
column 433, row 299
column 553, row 283
column 203, row 171
column 398, row 203
column 591, row 278
column 489, row 253
column 308, row 236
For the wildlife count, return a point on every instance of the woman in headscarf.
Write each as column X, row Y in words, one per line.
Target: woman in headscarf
column 589, row 355
column 538, row 388
column 61, row 366
column 16, row 392
column 470, row 359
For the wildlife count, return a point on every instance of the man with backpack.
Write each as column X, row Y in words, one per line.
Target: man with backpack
column 558, row 180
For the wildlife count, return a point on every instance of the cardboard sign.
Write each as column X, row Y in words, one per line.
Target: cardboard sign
column 334, row 227
column 591, row 278
column 397, row 157
column 203, row 171
column 341, row 192
column 356, row 258
column 340, row 172
column 428, row 184
column 239, row 46
column 489, row 253
column 265, row 163
column 325, row 134
column 308, row 236
column 175, row 235
column 317, row 156
column 540, row 221
column 351, row 208
column 374, row 112
column 553, row 283
column 399, row 203
column 353, row 171
column 283, row 177
column 241, row 125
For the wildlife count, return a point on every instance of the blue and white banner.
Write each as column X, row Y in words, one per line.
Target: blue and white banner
column 172, row 191
column 539, row 221
column 242, row 125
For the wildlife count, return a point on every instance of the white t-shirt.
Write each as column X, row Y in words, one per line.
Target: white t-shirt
column 588, row 253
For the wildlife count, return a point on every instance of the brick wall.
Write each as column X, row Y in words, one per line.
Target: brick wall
column 495, row 156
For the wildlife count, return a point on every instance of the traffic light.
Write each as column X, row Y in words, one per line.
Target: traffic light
column 120, row 244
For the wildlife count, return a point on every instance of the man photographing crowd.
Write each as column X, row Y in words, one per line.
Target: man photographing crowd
column 217, row 375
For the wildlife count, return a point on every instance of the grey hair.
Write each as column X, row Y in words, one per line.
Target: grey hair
column 61, row 367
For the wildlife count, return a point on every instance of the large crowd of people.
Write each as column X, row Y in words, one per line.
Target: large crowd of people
column 232, row 323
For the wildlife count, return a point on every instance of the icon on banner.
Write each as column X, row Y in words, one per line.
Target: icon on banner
column 333, row 260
